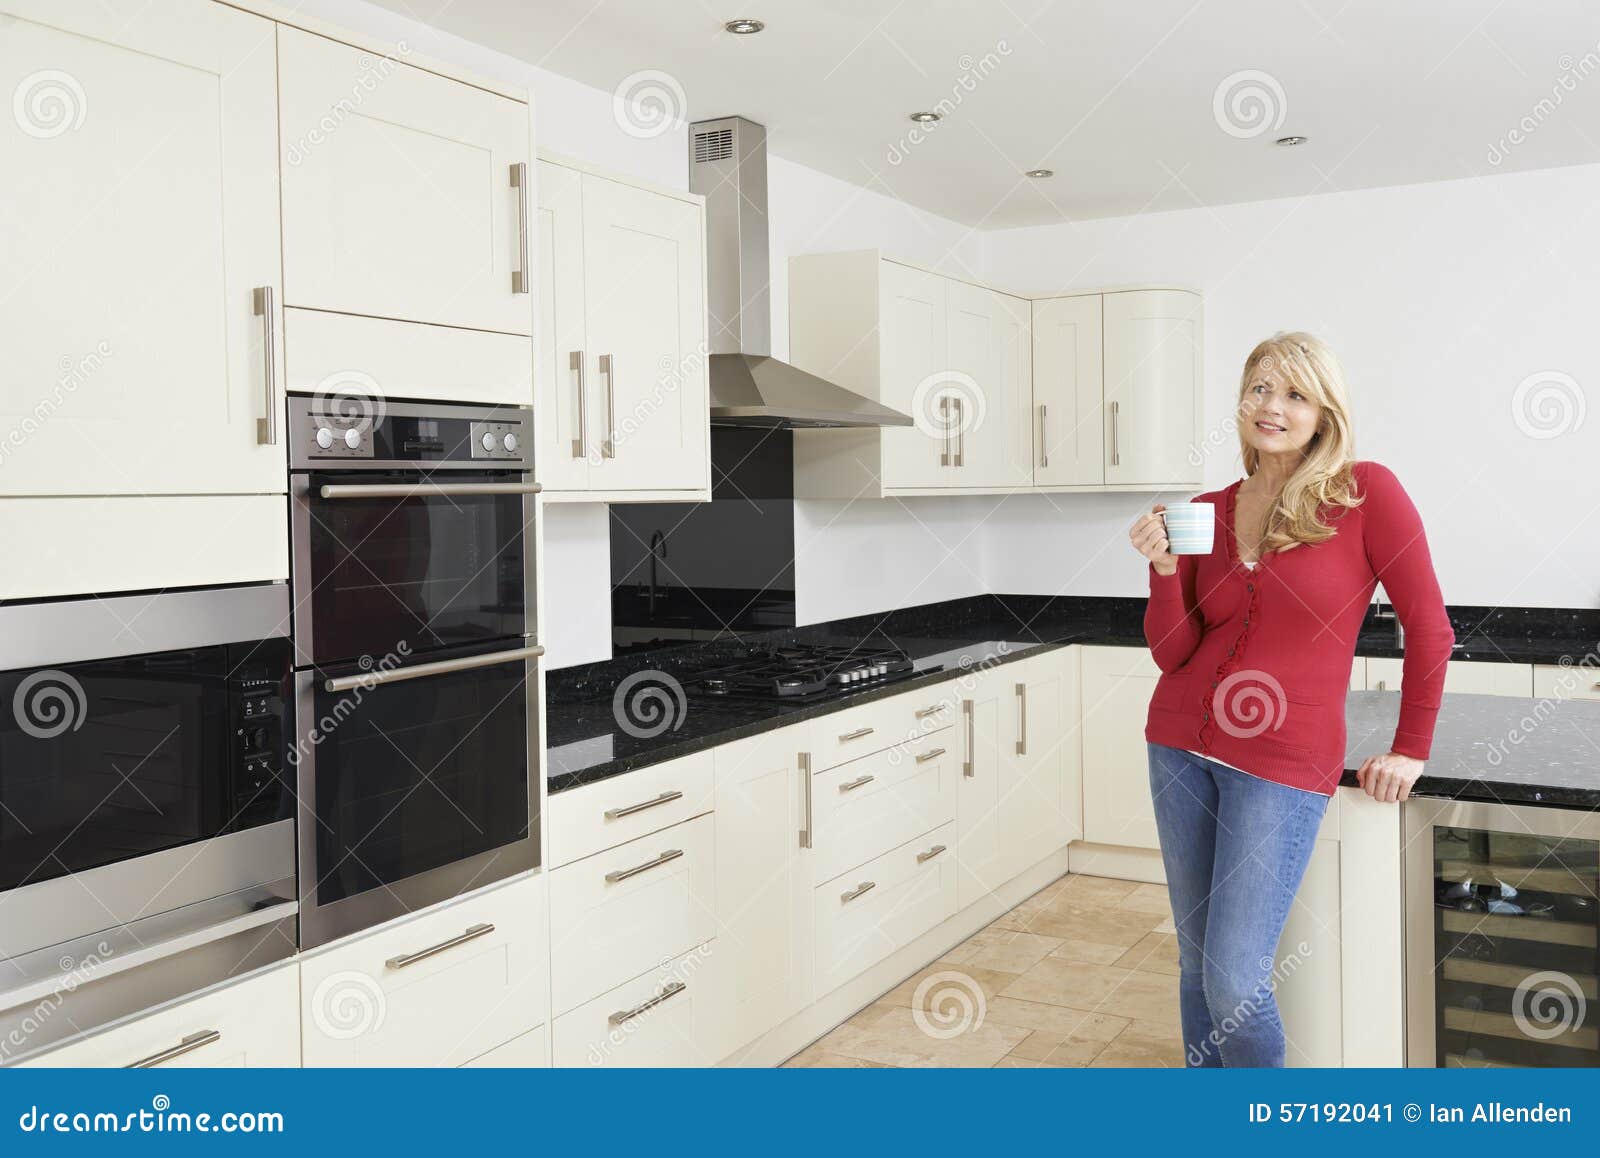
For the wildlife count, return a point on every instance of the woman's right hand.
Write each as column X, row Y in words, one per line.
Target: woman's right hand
column 1149, row 538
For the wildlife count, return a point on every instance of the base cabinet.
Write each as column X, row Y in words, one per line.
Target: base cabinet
column 1384, row 674
column 1117, row 685
column 664, row 1017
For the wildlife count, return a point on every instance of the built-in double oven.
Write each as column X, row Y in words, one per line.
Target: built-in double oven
column 415, row 654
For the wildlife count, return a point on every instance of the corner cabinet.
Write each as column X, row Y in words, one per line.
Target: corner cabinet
column 623, row 352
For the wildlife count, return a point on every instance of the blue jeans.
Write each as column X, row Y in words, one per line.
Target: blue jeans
column 1235, row 847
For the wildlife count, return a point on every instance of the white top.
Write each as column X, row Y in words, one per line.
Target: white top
column 1250, row 564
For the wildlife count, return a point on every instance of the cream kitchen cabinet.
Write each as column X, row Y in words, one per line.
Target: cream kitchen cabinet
column 623, row 349
column 142, row 310
column 1474, row 678
column 1117, row 390
column 1578, row 682
column 1117, row 685
column 405, row 193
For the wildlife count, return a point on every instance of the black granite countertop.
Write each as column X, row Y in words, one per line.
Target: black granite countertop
column 586, row 740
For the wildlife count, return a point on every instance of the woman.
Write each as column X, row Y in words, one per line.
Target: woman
column 1255, row 642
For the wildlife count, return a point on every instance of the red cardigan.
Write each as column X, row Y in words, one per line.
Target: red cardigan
column 1255, row 663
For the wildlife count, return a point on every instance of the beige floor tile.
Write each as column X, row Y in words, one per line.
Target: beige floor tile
column 1017, row 1063
column 899, row 1040
column 1092, row 952
column 1059, row 1021
column 1004, row 950
column 1048, row 1049
column 957, row 979
column 814, row 1057
column 1101, row 924
column 1144, row 1043
column 1148, row 899
column 1099, row 989
column 1157, row 953
column 1167, row 926
column 1105, row 890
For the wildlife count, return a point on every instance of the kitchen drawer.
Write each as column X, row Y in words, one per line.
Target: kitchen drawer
column 864, row 808
column 619, row 912
column 663, row 1017
column 587, row 820
column 256, row 1023
column 531, row 1050
column 1553, row 682
column 911, row 890
column 438, row 989
column 860, row 731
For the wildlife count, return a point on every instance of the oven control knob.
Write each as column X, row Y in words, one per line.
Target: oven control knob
column 324, row 437
column 352, row 438
column 510, row 443
column 488, row 441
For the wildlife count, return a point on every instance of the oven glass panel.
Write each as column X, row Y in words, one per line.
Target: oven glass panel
column 1515, row 927
column 431, row 572
column 104, row 761
column 417, row 774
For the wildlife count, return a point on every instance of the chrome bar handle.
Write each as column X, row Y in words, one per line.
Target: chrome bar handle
column 654, row 802
column 370, row 679
column 1044, row 439
column 580, row 445
column 267, row 428
column 1022, row 719
column 423, row 490
column 188, row 1045
column 608, row 367
column 945, row 457
column 923, row 857
column 519, row 182
column 961, row 434
column 669, row 990
column 967, row 769
column 406, row 960
column 858, row 782
column 924, row 713
column 667, row 857
column 805, row 782
column 1116, row 455
column 855, row 735
column 863, row 887
column 930, row 754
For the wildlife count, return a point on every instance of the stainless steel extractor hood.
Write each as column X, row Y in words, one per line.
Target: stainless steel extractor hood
column 728, row 164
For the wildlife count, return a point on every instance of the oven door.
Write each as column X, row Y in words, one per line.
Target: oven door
column 1502, row 935
column 415, row 782
column 385, row 558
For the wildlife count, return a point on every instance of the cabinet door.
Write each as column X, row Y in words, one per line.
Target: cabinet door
column 764, row 904
column 981, row 858
column 992, row 357
column 566, row 438
column 1152, row 386
column 1462, row 676
column 1068, row 405
column 915, row 376
column 1117, row 686
column 1033, row 817
column 398, row 199
column 141, row 214
column 644, row 284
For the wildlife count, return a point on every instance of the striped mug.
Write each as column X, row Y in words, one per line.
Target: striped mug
column 1190, row 527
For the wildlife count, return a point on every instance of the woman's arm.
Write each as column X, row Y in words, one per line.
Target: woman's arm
column 1397, row 550
column 1172, row 615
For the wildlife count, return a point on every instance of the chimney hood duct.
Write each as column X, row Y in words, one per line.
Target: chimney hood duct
column 749, row 387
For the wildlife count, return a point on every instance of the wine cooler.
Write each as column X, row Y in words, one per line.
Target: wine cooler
column 1502, row 935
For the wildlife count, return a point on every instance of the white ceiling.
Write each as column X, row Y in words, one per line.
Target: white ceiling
column 1119, row 97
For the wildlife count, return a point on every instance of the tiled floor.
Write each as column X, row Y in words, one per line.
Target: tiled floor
column 1082, row 973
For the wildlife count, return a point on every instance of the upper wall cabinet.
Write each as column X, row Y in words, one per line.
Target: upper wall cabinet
column 403, row 191
column 141, row 217
column 624, row 403
column 1117, row 390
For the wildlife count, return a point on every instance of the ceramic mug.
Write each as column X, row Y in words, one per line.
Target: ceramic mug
column 1190, row 527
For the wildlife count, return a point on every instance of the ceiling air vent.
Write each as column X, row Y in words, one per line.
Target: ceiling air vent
column 716, row 145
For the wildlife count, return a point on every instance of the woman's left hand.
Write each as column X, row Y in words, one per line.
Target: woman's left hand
column 1389, row 777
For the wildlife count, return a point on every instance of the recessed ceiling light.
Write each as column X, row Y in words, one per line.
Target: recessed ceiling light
column 1290, row 142
column 1040, row 173
column 744, row 27
column 926, row 118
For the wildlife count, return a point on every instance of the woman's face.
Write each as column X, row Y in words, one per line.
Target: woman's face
column 1275, row 417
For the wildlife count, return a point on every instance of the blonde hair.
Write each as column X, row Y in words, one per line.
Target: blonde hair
column 1324, row 476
